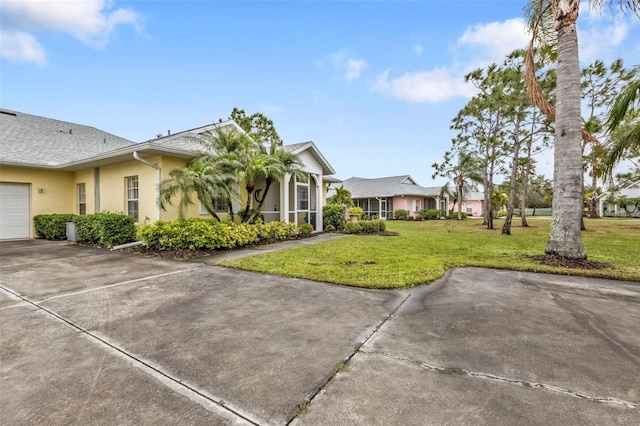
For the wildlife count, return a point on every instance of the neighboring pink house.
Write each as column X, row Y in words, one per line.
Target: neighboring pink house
column 473, row 205
column 380, row 197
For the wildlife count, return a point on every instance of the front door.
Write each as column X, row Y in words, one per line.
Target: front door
column 383, row 208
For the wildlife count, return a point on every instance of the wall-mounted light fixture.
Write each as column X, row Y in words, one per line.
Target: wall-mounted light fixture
column 40, row 189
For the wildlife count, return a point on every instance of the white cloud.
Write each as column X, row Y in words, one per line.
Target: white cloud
column 493, row 41
column 418, row 49
column 17, row 46
column 351, row 68
column 89, row 21
column 479, row 46
column 600, row 31
column 427, row 86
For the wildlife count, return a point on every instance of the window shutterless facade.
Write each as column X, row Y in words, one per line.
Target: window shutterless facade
column 219, row 205
column 81, row 190
column 131, row 183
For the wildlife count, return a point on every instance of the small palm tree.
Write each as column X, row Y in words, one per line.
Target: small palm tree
column 342, row 197
column 281, row 163
column 199, row 178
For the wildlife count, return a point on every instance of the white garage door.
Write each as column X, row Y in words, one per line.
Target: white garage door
column 14, row 210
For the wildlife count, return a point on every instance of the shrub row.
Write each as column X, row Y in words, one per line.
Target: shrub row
column 105, row 229
column 209, row 234
column 365, row 227
column 425, row 214
column 53, row 226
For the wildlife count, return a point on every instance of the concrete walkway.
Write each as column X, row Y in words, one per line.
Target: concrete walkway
column 92, row 337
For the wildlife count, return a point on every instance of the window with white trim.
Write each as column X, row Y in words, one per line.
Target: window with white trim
column 470, row 208
column 132, row 196
column 82, row 198
column 416, row 206
column 303, row 198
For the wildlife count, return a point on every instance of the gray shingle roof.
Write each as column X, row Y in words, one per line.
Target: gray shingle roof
column 185, row 140
column 387, row 187
column 32, row 140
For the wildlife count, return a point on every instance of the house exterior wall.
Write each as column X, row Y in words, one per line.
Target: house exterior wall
column 86, row 177
column 407, row 203
column 476, row 207
column 310, row 164
column 113, row 189
column 58, row 190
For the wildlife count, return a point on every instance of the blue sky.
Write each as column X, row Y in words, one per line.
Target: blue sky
column 374, row 84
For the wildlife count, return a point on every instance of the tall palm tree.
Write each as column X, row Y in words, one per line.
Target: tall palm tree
column 565, row 239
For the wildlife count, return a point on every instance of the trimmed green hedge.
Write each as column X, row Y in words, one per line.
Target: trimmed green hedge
column 365, row 227
column 53, row 226
column 105, row 229
column 209, row 234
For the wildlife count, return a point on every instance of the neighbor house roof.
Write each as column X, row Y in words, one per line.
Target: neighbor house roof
column 387, row 187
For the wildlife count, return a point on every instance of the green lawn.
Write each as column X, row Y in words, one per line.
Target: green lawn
column 425, row 250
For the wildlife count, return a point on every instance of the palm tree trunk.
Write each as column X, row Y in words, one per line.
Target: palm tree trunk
column 267, row 185
column 230, row 206
column 459, row 195
column 565, row 239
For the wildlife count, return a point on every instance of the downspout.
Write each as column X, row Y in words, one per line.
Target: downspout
column 158, row 178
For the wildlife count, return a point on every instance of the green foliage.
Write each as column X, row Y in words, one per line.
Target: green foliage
column 333, row 215
column 209, row 234
column 251, row 216
column 356, row 211
column 53, row 226
column 502, row 213
column 427, row 214
column 305, row 230
column 454, row 215
column 365, row 227
column 342, row 197
column 400, row 214
column 106, row 229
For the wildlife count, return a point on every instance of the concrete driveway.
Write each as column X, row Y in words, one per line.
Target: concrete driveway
column 94, row 337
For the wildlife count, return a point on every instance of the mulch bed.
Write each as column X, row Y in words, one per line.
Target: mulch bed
column 545, row 259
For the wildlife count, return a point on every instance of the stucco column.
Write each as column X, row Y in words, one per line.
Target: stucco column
column 284, row 198
column 319, row 189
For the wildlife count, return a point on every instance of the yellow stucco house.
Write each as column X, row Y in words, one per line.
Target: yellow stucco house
column 53, row 166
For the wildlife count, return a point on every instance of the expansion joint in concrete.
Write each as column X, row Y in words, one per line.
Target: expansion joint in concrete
column 500, row 379
column 303, row 406
column 206, row 401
